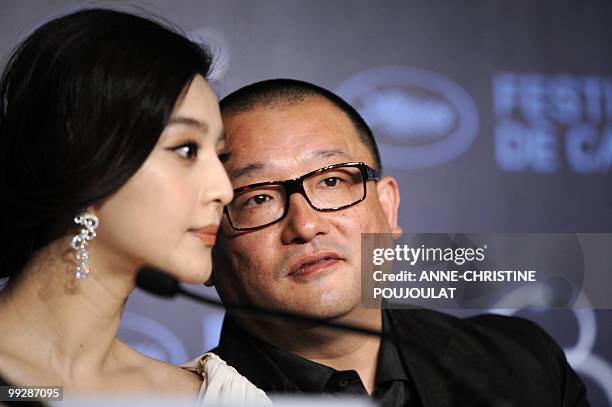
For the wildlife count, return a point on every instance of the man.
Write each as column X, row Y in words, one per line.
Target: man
column 294, row 246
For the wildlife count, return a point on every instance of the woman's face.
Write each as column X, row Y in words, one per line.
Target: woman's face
column 166, row 215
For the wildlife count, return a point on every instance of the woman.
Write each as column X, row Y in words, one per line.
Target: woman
column 110, row 136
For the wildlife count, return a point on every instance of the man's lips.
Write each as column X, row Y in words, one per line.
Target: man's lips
column 207, row 234
column 307, row 265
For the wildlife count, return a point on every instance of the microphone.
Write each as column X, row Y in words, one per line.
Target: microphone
column 162, row 284
column 157, row 283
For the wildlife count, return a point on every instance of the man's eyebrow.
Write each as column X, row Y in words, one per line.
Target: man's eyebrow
column 249, row 168
column 188, row 121
column 245, row 169
column 328, row 153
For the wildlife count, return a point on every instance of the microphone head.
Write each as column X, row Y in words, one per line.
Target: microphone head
column 157, row 282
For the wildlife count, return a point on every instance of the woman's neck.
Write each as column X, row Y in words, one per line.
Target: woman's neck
column 65, row 324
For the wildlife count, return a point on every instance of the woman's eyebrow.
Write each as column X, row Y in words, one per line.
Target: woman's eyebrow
column 189, row 121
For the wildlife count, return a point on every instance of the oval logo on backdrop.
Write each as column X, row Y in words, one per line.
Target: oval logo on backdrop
column 420, row 118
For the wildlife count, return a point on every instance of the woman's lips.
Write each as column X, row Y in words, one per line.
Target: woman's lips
column 207, row 234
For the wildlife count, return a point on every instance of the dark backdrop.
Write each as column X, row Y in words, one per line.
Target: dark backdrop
column 495, row 116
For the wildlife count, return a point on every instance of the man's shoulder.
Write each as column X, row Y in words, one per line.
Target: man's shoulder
column 506, row 341
column 512, row 352
column 483, row 329
column 481, row 324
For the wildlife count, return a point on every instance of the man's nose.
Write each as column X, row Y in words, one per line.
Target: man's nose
column 302, row 222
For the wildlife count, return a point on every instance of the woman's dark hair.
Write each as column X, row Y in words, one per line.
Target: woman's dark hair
column 84, row 100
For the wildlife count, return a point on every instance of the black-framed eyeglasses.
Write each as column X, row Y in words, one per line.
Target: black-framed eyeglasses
column 327, row 189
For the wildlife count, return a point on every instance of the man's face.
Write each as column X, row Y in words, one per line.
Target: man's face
column 258, row 267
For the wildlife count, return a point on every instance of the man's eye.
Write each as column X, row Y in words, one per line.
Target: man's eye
column 257, row 200
column 188, row 151
column 331, row 181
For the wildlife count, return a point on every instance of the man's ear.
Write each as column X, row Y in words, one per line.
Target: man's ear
column 389, row 197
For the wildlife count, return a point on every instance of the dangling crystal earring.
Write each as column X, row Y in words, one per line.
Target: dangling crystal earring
column 80, row 242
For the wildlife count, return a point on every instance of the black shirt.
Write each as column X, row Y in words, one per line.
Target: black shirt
column 482, row 360
column 393, row 386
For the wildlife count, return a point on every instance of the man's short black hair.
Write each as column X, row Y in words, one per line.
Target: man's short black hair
column 292, row 91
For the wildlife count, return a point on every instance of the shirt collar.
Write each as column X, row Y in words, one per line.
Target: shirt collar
column 390, row 365
column 311, row 376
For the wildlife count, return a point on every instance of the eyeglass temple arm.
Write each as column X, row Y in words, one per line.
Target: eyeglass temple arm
column 372, row 173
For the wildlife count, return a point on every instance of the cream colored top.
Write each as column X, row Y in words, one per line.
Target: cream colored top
column 223, row 384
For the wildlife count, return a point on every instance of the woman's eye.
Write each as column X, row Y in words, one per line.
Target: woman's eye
column 187, row 151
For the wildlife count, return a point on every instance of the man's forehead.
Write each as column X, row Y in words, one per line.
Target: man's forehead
column 296, row 118
column 286, row 142
column 287, row 166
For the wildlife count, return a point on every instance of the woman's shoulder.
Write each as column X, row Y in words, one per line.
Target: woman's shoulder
column 223, row 383
column 171, row 379
column 140, row 372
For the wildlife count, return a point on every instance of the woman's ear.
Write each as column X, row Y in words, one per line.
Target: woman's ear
column 389, row 198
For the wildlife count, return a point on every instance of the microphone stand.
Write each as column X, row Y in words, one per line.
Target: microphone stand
column 162, row 284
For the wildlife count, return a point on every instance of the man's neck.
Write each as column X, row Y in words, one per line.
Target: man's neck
column 339, row 349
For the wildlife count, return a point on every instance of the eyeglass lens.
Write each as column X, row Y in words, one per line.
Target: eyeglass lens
column 330, row 189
